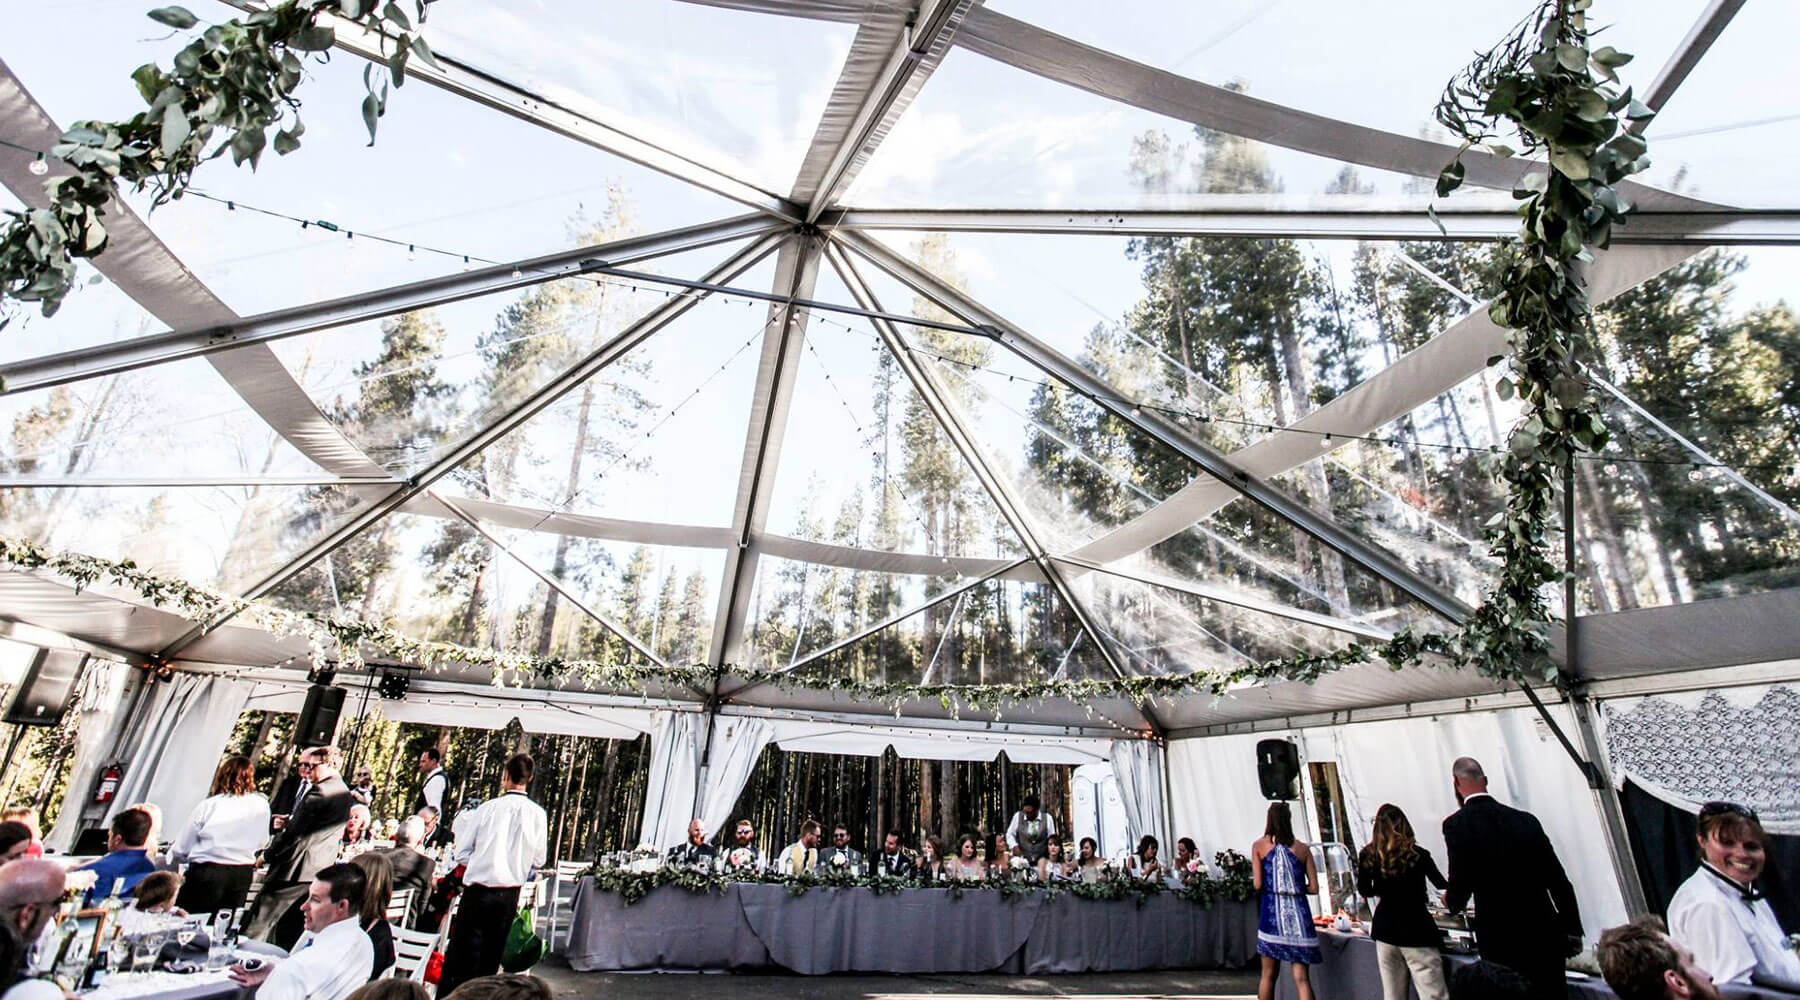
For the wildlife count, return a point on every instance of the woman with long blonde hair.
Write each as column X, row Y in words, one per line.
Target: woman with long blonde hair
column 1394, row 868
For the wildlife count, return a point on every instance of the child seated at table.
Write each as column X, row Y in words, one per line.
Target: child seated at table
column 156, row 893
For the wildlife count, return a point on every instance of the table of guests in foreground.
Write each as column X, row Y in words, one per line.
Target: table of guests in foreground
column 752, row 926
column 1350, row 972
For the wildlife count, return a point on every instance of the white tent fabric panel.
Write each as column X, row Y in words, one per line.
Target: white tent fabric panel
column 674, row 769
column 104, row 685
column 1213, row 792
column 186, row 724
column 1407, row 762
column 737, row 744
column 873, row 739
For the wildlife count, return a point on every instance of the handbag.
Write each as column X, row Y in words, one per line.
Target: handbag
column 523, row 947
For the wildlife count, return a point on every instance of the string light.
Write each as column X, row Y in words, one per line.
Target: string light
column 40, row 166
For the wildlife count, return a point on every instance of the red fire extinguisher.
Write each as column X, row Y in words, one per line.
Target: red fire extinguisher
column 109, row 784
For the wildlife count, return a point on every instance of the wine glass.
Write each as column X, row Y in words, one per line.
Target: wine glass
column 119, row 951
column 185, row 934
column 143, row 951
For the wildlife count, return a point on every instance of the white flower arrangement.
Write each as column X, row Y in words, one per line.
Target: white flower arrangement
column 739, row 857
column 1018, row 864
column 839, row 859
column 645, row 860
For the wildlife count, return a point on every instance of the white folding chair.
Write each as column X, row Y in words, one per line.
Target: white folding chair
column 400, row 906
column 562, row 897
column 412, row 949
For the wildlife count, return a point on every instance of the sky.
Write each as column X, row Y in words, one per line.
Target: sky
column 745, row 91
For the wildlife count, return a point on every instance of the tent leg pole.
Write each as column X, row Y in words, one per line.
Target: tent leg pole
column 1599, row 775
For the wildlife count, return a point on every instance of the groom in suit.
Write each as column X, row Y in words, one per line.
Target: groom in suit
column 1526, row 915
column 307, row 843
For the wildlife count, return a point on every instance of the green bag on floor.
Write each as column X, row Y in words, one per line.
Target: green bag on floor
column 523, row 947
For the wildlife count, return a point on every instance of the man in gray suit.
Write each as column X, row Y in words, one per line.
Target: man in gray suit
column 306, row 844
column 840, row 845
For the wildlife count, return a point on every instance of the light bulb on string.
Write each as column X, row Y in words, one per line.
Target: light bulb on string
column 40, row 166
column 1695, row 474
column 1610, row 468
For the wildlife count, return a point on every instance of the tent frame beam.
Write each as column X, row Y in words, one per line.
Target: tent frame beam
column 602, row 357
column 162, row 482
column 949, row 416
column 1204, row 457
column 1733, row 227
column 161, row 348
column 549, row 581
column 592, row 127
column 1233, row 598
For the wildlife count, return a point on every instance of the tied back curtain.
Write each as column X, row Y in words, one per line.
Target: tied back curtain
column 186, row 723
column 674, row 770
column 104, row 685
column 737, row 744
column 1138, row 764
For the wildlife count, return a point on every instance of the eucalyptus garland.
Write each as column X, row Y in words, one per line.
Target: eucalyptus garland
column 1201, row 888
column 225, row 92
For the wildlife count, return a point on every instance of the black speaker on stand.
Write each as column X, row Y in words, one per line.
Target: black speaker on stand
column 318, row 721
column 1278, row 769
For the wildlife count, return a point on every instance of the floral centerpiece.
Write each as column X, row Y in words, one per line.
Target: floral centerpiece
column 737, row 859
column 645, row 859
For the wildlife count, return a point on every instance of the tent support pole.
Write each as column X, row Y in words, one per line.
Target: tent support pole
column 1599, row 776
column 944, row 409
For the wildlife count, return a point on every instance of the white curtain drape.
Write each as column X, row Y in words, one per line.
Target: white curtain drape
column 103, row 688
column 1214, row 794
column 187, row 722
column 1138, row 764
column 1407, row 762
column 736, row 746
column 674, row 768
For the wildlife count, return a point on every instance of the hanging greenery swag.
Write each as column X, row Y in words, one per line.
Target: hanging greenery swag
column 1543, row 87
column 224, row 92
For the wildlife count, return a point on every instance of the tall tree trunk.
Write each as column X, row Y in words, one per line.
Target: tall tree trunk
column 571, row 487
column 1598, row 503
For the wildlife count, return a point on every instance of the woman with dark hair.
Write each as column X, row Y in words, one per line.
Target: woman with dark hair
column 221, row 839
column 1145, row 864
column 15, row 841
column 1055, row 865
column 1088, row 863
column 1395, row 868
column 1719, row 913
column 965, row 866
column 1284, row 875
column 378, row 891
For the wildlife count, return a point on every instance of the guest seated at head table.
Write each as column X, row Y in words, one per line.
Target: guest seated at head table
column 127, row 859
column 1720, row 913
column 1641, row 962
column 28, row 816
column 802, row 855
column 932, row 860
column 1186, row 853
column 1055, row 865
column 335, row 954
column 1088, row 864
column 966, row 866
column 743, row 854
column 694, row 851
column 894, row 860
column 1145, row 864
column 999, row 856
column 840, row 848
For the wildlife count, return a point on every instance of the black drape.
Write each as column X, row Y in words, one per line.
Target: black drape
column 1663, row 845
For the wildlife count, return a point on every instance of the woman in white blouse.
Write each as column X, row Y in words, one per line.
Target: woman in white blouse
column 1719, row 913
column 221, row 840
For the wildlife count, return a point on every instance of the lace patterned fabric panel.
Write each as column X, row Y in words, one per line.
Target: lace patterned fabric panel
column 1715, row 750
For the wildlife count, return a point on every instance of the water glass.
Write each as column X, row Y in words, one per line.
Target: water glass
column 144, row 951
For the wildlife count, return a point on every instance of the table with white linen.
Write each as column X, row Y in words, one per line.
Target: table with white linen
column 1350, row 972
column 823, row 930
column 211, row 984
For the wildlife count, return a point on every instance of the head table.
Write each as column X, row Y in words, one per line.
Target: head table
column 854, row 929
column 1350, row 972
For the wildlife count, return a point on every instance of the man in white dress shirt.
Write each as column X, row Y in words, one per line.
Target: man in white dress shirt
column 335, row 954
column 1029, row 833
column 501, row 842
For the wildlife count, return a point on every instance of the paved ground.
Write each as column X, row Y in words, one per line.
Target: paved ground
column 570, row 984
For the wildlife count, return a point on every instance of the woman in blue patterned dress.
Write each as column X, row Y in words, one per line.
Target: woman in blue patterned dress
column 1282, row 868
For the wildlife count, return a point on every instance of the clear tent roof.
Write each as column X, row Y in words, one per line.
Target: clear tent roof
column 767, row 421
